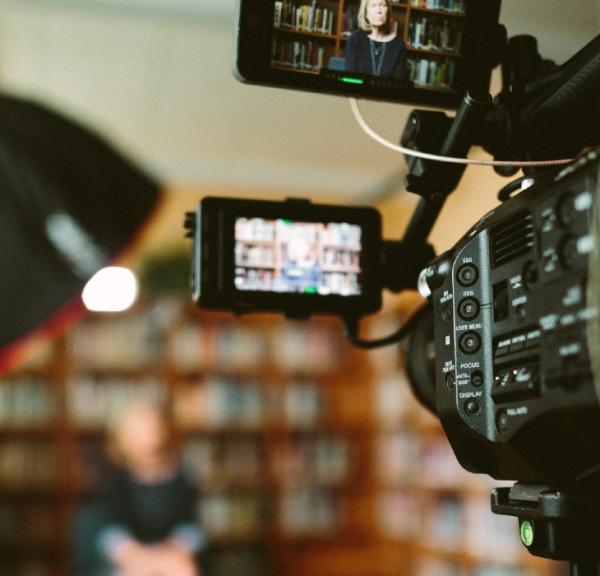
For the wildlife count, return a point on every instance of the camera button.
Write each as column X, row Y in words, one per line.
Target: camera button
column 467, row 275
column 470, row 342
column 568, row 251
column 468, row 308
column 502, row 421
column 471, row 407
column 566, row 210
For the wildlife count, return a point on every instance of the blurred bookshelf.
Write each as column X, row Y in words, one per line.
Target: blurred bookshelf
column 272, row 413
column 308, row 34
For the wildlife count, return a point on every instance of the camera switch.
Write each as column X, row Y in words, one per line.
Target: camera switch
column 477, row 378
column 447, row 313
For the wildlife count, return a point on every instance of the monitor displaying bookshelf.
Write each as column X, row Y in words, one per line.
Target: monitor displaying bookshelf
column 319, row 35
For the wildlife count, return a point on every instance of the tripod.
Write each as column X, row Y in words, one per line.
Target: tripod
column 555, row 524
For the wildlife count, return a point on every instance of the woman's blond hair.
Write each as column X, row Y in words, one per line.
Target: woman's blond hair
column 115, row 429
column 364, row 24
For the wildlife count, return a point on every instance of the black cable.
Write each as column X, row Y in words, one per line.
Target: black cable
column 351, row 327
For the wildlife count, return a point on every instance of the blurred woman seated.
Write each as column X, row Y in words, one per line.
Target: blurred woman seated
column 143, row 521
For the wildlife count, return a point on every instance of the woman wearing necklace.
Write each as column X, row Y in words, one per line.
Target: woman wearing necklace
column 375, row 48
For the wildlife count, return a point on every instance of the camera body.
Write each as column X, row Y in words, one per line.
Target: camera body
column 514, row 385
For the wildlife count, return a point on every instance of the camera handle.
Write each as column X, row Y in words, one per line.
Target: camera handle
column 434, row 182
column 554, row 523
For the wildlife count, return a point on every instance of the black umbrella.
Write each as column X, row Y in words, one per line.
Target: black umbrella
column 69, row 204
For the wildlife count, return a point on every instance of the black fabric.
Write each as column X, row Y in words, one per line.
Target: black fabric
column 50, row 165
column 359, row 59
column 148, row 511
column 86, row 559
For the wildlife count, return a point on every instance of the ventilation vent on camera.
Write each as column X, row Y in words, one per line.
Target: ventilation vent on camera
column 513, row 238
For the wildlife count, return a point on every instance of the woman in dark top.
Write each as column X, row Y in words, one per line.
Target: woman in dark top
column 146, row 514
column 375, row 48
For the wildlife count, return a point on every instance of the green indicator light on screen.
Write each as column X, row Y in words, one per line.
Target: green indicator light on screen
column 286, row 221
column 310, row 290
column 527, row 533
column 350, row 80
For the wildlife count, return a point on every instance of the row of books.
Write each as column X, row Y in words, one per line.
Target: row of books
column 299, row 512
column 26, row 401
column 233, row 515
column 26, row 567
column 436, row 566
column 212, row 463
column 220, row 402
column 244, row 463
column 29, row 523
column 404, row 458
column 28, row 464
column 311, row 17
column 258, row 230
column 325, row 281
column 211, row 345
column 311, row 512
column 259, row 255
column 228, row 347
column 145, row 342
column 455, row 6
column 214, row 402
column 320, row 461
column 450, row 523
column 435, row 34
column 119, row 342
column 265, row 256
column 247, row 560
column 94, row 401
column 431, row 73
column 305, row 55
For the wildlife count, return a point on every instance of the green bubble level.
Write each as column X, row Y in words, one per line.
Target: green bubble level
column 527, row 533
column 350, row 80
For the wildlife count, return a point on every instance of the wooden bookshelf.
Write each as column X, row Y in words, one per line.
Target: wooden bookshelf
column 272, row 414
column 431, row 30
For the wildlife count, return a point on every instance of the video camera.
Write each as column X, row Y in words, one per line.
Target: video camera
column 511, row 318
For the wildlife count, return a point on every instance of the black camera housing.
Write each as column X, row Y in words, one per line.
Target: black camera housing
column 514, row 384
column 215, row 269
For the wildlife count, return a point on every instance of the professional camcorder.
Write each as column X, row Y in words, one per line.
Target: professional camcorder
column 506, row 349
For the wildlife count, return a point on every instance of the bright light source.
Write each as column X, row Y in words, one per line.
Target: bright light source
column 112, row 289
